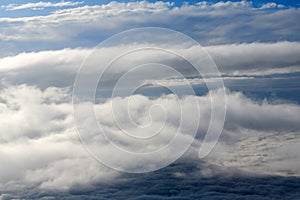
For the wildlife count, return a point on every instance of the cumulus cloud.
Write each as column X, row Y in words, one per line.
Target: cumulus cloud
column 40, row 148
column 271, row 5
column 44, row 143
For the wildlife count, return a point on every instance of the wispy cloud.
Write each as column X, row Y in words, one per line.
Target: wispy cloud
column 40, row 5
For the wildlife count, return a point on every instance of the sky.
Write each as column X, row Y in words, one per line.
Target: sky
column 149, row 99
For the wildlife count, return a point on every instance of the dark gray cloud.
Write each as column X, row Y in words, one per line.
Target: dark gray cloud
column 180, row 180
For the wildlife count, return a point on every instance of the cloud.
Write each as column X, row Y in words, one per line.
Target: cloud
column 38, row 131
column 207, row 23
column 181, row 180
column 265, row 153
column 235, row 62
column 40, row 5
column 40, row 152
column 271, row 5
column 39, row 146
column 256, row 58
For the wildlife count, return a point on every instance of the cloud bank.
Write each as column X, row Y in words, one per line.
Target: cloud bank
column 242, row 61
column 40, row 148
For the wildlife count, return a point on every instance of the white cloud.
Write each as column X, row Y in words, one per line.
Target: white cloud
column 67, row 58
column 37, row 127
column 258, row 152
column 40, row 5
column 217, row 22
column 59, row 67
column 238, row 4
column 39, row 146
column 271, row 5
column 256, row 58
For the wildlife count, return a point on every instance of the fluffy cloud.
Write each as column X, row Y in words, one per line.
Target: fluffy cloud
column 40, row 148
column 38, row 141
column 271, row 5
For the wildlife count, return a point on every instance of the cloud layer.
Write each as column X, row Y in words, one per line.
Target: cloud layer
column 41, row 152
column 271, row 61
column 207, row 23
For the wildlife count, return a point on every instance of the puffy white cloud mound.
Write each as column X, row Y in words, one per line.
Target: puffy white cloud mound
column 40, row 147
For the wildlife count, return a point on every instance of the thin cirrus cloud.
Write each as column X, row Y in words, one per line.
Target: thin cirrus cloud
column 40, row 5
